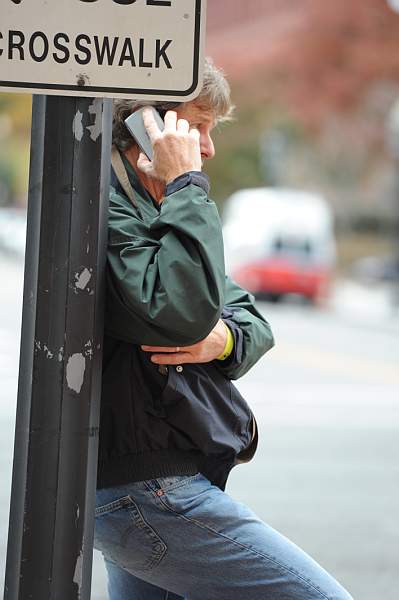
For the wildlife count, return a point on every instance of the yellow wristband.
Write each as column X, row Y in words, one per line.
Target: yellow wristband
column 229, row 347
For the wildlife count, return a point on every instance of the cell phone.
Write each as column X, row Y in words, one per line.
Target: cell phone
column 135, row 125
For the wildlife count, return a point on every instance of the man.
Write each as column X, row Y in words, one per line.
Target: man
column 172, row 423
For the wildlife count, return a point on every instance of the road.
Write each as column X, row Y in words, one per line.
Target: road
column 326, row 473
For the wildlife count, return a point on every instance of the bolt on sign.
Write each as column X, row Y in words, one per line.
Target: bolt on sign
column 108, row 48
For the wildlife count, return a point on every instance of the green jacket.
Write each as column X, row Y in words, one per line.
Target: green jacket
column 166, row 285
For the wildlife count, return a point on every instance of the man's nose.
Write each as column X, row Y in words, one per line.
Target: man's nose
column 206, row 146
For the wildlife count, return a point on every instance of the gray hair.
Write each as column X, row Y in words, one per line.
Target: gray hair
column 214, row 96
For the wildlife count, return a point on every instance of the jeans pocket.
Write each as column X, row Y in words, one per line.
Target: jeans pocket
column 184, row 497
column 124, row 536
column 172, row 482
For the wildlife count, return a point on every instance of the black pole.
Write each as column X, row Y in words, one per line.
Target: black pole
column 50, row 538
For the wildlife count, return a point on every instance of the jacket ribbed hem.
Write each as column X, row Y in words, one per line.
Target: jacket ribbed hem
column 147, row 465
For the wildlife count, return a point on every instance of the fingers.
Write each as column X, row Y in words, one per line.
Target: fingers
column 170, row 121
column 183, row 126
column 160, row 348
column 144, row 164
column 177, row 149
column 194, row 133
column 151, row 125
column 173, row 124
column 172, row 359
column 169, row 355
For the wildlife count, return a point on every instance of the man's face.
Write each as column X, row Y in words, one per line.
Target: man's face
column 204, row 121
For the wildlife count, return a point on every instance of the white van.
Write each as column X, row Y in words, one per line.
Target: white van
column 279, row 241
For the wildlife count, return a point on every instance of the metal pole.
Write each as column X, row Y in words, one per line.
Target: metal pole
column 51, row 525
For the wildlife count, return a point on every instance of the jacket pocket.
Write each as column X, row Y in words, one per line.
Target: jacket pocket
column 201, row 402
column 125, row 537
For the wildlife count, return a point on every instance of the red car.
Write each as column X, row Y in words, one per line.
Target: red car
column 279, row 242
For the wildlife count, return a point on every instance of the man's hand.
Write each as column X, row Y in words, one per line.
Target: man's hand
column 176, row 148
column 202, row 352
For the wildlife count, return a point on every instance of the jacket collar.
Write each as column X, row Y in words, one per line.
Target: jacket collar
column 148, row 207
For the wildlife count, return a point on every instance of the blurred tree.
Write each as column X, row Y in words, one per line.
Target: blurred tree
column 316, row 56
column 331, row 69
column 15, row 115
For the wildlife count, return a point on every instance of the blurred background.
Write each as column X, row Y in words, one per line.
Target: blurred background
column 307, row 181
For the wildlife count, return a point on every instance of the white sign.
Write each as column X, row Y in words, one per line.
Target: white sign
column 109, row 48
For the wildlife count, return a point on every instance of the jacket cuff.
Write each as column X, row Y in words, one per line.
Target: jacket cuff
column 229, row 346
column 236, row 356
column 196, row 177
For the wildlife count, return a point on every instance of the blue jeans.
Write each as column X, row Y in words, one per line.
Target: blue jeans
column 181, row 538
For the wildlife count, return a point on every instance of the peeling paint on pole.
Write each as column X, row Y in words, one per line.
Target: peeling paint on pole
column 95, row 109
column 77, row 126
column 78, row 575
column 82, row 279
column 75, row 371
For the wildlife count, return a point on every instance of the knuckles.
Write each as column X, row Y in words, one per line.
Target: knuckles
column 179, row 137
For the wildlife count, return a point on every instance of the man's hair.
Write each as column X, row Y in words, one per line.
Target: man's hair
column 214, row 97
